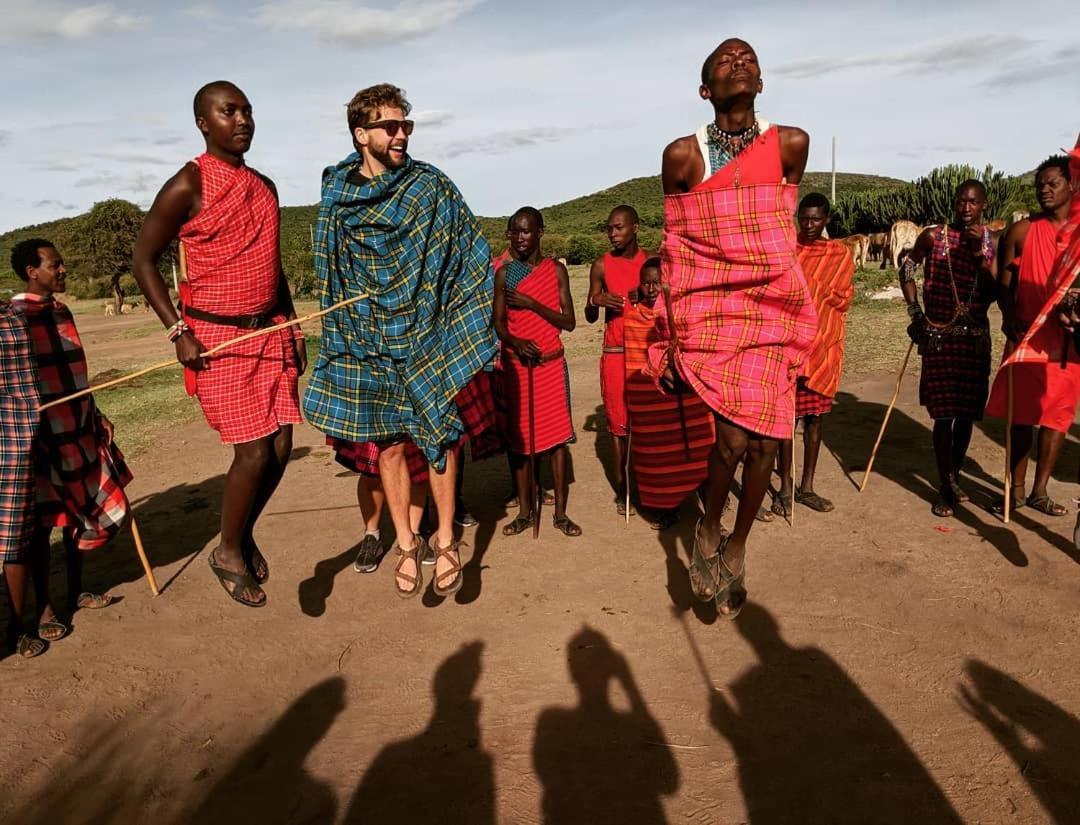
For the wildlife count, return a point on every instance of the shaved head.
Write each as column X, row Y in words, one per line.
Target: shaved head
column 707, row 66
column 626, row 211
column 208, row 91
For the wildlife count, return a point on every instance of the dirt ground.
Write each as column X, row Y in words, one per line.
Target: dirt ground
column 889, row 668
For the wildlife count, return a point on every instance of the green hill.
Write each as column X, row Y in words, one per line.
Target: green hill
column 580, row 220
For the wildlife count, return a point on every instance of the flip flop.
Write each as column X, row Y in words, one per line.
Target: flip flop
column 813, row 501
column 242, row 582
column 1046, row 505
column 565, row 526
column 260, row 570
column 93, row 601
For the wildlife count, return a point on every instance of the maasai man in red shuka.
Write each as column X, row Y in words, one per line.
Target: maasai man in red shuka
column 953, row 333
column 1044, row 395
column 670, row 460
column 79, row 473
column 829, row 272
column 612, row 279
column 1045, row 342
column 743, row 317
column 18, row 425
column 532, row 307
column 226, row 216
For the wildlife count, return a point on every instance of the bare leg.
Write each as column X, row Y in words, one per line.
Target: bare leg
column 519, row 465
column 562, row 481
column 811, row 449
column 731, row 444
column 961, row 440
column 17, row 577
column 281, row 449
column 943, row 452
column 395, row 480
column 1022, row 436
column 618, row 446
column 757, row 467
column 442, row 491
column 251, row 461
column 40, row 556
column 783, row 461
column 371, row 498
column 1050, row 444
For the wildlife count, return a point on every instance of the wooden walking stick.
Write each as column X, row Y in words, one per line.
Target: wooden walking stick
column 1008, row 442
column 143, row 558
column 626, row 474
column 534, row 491
column 794, row 430
column 885, row 423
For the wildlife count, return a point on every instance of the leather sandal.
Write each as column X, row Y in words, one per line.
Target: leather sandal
column 417, row 581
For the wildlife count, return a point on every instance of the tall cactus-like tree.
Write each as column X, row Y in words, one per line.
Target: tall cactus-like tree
column 111, row 228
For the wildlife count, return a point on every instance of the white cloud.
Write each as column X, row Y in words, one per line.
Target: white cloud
column 498, row 143
column 340, row 21
column 203, row 11
column 58, row 20
column 5, row 136
column 138, row 183
column 432, row 118
column 130, row 156
column 968, row 53
column 51, row 202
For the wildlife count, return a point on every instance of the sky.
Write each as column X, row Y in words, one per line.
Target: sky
column 520, row 103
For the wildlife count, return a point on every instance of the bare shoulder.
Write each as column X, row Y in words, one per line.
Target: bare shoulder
column 181, row 191
column 681, row 149
column 560, row 269
column 597, row 268
column 1018, row 231
column 794, row 137
column 266, row 180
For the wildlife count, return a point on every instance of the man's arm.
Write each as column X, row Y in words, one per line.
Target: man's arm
column 682, row 166
column 596, row 289
column 176, row 203
column 1009, row 250
column 794, row 150
column 924, row 245
column 563, row 318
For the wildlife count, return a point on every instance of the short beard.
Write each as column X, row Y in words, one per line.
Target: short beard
column 388, row 160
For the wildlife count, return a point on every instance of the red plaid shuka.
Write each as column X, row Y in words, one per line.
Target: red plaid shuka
column 80, row 474
column 955, row 376
column 18, row 425
column 743, row 316
column 234, row 268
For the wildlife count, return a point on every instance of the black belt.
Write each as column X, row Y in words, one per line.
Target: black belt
column 241, row 321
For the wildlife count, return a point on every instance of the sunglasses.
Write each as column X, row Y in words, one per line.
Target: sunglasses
column 391, row 126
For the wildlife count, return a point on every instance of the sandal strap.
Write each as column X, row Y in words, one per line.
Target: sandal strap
column 455, row 563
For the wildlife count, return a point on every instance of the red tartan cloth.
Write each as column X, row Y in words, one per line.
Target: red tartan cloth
column 955, row 377
column 234, row 268
column 808, row 402
column 666, row 466
column 743, row 316
column 829, row 273
column 1044, row 394
column 80, row 474
column 363, row 457
column 554, row 425
column 621, row 277
column 18, row 426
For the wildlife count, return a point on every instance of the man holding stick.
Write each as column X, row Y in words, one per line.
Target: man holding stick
column 742, row 315
column 226, row 216
column 953, row 333
column 390, row 368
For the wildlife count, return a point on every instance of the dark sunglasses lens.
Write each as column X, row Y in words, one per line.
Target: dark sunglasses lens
column 407, row 126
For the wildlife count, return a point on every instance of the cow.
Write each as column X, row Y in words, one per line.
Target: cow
column 902, row 237
column 878, row 242
column 1020, row 215
column 857, row 246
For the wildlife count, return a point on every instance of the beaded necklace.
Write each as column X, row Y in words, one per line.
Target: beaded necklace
column 725, row 147
column 962, row 310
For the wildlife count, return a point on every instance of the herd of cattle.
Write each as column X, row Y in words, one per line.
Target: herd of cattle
column 894, row 245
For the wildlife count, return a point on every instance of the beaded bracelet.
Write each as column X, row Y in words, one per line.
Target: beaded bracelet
column 176, row 330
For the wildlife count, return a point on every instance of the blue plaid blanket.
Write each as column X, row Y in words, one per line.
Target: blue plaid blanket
column 392, row 364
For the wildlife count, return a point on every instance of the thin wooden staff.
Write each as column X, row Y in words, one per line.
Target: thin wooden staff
column 1008, row 442
column 626, row 474
column 143, row 558
column 885, row 423
column 794, row 430
column 534, row 490
column 209, row 353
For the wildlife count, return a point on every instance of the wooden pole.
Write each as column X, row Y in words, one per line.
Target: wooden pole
column 143, row 558
column 885, row 423
column 534, row 490
column 209, row 353
column 1008, row 443
column 626, row 474
column 794, row 430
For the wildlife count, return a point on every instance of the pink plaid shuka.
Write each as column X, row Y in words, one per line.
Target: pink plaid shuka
column 743, row 317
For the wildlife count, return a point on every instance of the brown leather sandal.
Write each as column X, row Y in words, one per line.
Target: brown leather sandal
column 416, row 581
column 455, row 570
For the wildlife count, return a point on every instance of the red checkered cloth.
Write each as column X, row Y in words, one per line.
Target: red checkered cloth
column 955, row 376
column 234, row 268
column 743, row 316
column 808, row 402
column 80, row 474
column 18, row 425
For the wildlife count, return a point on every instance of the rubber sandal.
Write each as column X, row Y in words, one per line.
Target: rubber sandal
column 732, row 587
column 455, row 570
column 813, row 501
column 416, row 581
column 242, row 582
column 958, row 492
column 513, row 501
column 256, row 563
column 781, row 505
column 666, row 520
column 943, row 509
column 52, row 626
column 565, row 526
column 620, row 507
column 93, row 601
column 1018, row 501
column 1046, row 505
column 30, row 646
column 706, row 569
column 517, row 526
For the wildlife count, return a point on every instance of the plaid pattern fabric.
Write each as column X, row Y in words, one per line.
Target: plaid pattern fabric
column 363, row 457
column 18, row 424
column 808, row 402
column 234, row 268
column 829, row 272
column 476, row 405
column 80, row 474
column 743, row 316
column 393, row 364
column 955, row 379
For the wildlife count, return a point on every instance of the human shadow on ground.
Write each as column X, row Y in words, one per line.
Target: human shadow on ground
column 597, row 763
column 906, row 458
column 268, row 782
column 443, row 774
column 1042, row 739
column 811, row 746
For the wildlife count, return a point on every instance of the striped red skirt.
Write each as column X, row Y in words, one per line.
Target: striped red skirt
column 808, row 402
column 554, row 425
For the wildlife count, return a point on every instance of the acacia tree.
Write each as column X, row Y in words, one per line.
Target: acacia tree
column 111, row 229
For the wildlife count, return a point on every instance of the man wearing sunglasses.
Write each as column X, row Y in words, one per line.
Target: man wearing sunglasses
column 390, row 367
